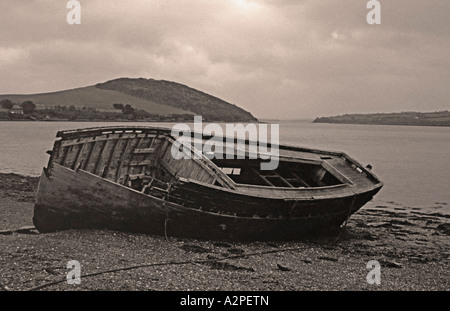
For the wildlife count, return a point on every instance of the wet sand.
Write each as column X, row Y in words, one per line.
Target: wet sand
column 412, row 247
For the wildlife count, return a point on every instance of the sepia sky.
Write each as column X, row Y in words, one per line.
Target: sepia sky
column 287, row 59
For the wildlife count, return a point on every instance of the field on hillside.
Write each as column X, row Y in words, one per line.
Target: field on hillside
column 96, row 98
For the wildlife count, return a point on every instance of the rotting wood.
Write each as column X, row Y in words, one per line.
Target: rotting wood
column 122, row 156
column 283, row 180
column 220, row 211
column 300, row 180
column 111, row 156
column 261, row 176
column 99, row 167
column 77, row 160
column 144, row 150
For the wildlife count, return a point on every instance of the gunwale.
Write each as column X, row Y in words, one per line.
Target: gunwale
column 95, row 131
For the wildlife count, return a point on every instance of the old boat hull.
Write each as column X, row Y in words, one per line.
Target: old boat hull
column 80, row 200
column 89, row 183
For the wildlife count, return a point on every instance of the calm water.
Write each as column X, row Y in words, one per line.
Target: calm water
column 413, row 162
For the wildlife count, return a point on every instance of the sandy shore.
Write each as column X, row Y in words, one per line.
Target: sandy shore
column 411, row 246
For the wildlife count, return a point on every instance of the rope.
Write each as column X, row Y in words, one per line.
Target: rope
column 169, row 264
column 346, row 220
column 196, row 262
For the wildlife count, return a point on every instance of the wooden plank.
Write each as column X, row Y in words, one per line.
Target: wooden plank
column 136, row 176
column 143, row 144
column 189, row 168
column 128, row 156
column 132, row 169
column 65, row 152
column 103, row 157
column 87, row 155
column 140, row 163
column 71, row 142
column 300, row 180
column 143, row 150
column 95, row 155
column 117, row 160
column 261, row 176
column 79, row 157
column 283, row 180
column 318, row 174
column 111, row 157
column 148, row 152
column 168, row 167
column 71, row 155
column 83, row 140
column 206, row 164
column 122, row 157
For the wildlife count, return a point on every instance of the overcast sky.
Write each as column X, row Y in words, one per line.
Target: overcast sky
column 274, row 58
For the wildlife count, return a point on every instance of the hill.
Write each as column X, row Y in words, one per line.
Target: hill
column 155, row 97
column 179, row 96
column 440, row 118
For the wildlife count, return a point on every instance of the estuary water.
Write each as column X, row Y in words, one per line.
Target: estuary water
column 412, row 161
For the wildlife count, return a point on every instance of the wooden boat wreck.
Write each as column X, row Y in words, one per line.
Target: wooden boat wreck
column 124, row 178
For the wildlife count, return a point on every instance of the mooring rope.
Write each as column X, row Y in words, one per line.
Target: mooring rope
column 346, row 220
column 196, row 262
column 172, row 263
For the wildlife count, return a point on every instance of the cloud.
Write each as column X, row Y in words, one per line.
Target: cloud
column 306, row 58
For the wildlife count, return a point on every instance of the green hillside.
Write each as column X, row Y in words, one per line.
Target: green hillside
column 155, row 97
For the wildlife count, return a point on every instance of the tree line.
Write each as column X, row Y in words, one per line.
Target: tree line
column 27, row 106
column 72, row 113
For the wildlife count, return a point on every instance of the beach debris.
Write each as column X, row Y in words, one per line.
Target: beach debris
column 221, row 265
column 419, row 259
column 271, row 244
column 222, row 244
column 24, row 230
column 191, row 248
column 444, row 228
column 401, row 222
column 391, row 264
column 51, row 271
column 283, row 268
column 27, row 230
column 327, row 258
column 308, row 261
column 378, row 224
column 236, row 251
column 440, row 215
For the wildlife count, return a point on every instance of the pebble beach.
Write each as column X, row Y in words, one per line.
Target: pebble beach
column 411, row 246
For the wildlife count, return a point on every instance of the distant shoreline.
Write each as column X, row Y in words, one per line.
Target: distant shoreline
column 396, row 124
column 440, row 118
